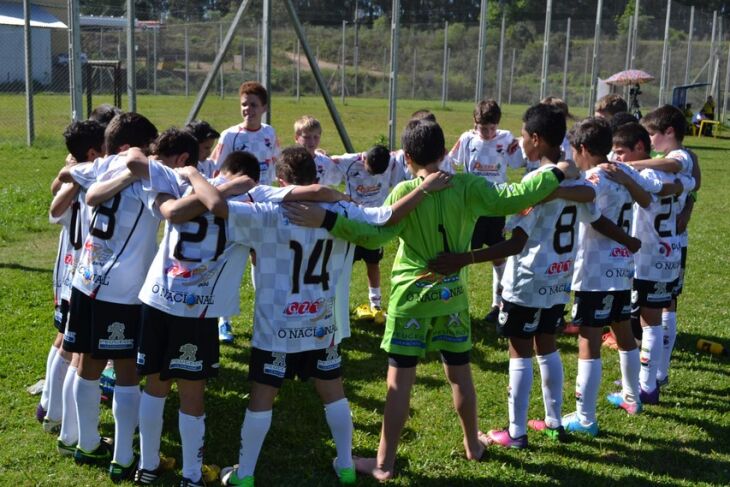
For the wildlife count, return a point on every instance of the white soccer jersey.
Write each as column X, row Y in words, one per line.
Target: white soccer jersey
column 602, row 264
column 75, row 226
column 327, row 172
column 399, row 157
column 486, row 158
column 207, row 168
column 262, row 143
column 301, row 273
column 539, row 276
column 197, row 270
column 687, row 161
column 120, row 245
column 365, row 189
column 658, row 259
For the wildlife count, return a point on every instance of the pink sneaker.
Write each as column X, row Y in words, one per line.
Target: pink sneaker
column 502, row 438
column 617, row 399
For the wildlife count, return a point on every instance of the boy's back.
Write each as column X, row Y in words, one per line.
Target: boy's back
column 369, row 190
column 486, row 158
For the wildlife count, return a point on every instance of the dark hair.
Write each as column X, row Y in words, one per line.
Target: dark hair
column 487, row 111
column 104, row 114
column 630, row 134
column 378, row 158
column 592, row 133
column 621, row 119
column 546, row 121
column 254, row 88
column 664, row 117
column 82, row 136
column 174, row 142
column 296, row 166
column 242, row 163
column 202, row 130
column 423, row 114
column 423, row 141
column 129, row 128
column 611, row 105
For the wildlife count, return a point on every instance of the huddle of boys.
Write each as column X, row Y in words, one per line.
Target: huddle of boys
column 155, row 311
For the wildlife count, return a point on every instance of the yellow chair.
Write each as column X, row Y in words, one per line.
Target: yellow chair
column 707, row 121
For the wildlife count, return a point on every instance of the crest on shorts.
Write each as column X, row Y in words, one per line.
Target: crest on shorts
column 116, row 331
column 412, row 323
column 188, row 352
column 279, row 359
column 278, row 367
column 660, row 287
column 187, row 360
column 331, row 361
column 116, row 340
column 503, row 315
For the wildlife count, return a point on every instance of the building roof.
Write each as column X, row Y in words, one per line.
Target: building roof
column 12, row 14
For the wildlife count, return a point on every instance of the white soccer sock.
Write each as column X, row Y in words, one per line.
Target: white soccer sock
column 651, row 355
column 497, row 274
column 551, row 372
column 192, row 437
column 253, row 433
column 586, row 389
column 518, row 396
column 151, row 409
column 55, row 390
column 339, row 419
column 374, row 296
column 46, row 386
column 669, row 329
column 125, row 408
column 87, row 395
column 630, row 367
column 69, row 422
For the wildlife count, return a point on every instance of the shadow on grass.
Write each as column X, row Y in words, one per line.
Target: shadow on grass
column 20, row 267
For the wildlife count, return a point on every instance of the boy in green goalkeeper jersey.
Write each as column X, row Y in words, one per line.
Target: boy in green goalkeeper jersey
column 429, row 312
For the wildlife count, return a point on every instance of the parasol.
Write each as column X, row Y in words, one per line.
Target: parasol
column 630, row 77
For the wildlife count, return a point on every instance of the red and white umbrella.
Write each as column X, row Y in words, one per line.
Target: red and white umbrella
column 630, row 77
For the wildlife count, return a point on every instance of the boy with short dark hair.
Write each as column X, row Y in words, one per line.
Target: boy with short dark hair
column 487, row 151
column 609, row 105
column 206, row 136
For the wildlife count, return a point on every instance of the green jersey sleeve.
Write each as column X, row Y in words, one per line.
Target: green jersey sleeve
column 484, row 198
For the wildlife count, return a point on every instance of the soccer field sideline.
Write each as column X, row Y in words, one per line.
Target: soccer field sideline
column 682, row 441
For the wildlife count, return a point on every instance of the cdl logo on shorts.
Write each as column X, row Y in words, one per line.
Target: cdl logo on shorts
column 558, row 267
column 304, row 307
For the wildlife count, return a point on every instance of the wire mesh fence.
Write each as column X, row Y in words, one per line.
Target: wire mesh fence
column 437, row 60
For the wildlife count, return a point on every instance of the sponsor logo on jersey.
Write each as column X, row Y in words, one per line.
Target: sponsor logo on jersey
column 622, row 252
column 116, row 340
column 619, row 272
column 434, row 294
column 667, row 266
column 189, row 299
column 179, row 271
column 486, row 167
column 319, row 332
column 96, row 253
column 559, row 267
column 331, row 361
column 301, row 308
column 665, row 249
column 68, row 259
column 278, row 367
column 365, row 190
column 187, row 360
column 554, row 289
column 430, row 280
column 88, row 276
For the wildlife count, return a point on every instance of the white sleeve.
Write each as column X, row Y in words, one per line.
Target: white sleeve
column 378, row 215
column 262, row 193
column 588, row 212
column 650, row 185
column 164, row 180
column 525, row 220
column 245, row 217
column 458, row 153
column 85, row 174
column 683, row 158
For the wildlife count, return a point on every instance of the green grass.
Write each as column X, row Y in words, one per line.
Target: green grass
column 683, row 441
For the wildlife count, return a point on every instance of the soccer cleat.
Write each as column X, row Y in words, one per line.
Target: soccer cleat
column 50, row 426
column 662, row 382
column 210, row 473
column 649, row 397
column 378, row 315
column 364, row 312
column 503, row 438
column 100, row 456
column 147, row 477
column 118, row 473
column 229, row 476
column 347, row 475
column 557, row 434
column 493, row 315
column 225, row 331
column 40, row 413
column 65, row 450
column 573, row 424
column 186, row 482
column 617, row 399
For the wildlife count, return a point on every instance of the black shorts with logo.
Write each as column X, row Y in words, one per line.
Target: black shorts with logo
column 177, row 347
column 60, row 316
column 650, row 294
column 271, row 368
column 601, row 308
column 520, row 321
column 103, row 329
column 488, row 230
column 369, row 256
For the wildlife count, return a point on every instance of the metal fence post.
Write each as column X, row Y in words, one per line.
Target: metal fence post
column 665, row 55
column 445, row 72
column 596, row 52
column 690, row 33
column 481, row 52
column 546, row 49
column 266, row 56
column 565, row 62
column 131, row 69
column 394, row 43
column 29, row 121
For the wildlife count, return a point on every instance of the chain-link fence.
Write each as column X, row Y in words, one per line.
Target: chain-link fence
column 174, row 57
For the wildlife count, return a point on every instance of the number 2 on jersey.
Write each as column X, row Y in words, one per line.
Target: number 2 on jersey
column 313, row 262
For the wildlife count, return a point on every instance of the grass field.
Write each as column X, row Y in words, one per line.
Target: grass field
column 683, row 441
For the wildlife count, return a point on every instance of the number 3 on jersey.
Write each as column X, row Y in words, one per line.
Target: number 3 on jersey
column 313, row 263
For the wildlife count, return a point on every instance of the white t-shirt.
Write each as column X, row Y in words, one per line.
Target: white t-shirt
column 658, row 260
column 687, row 162
column 262, row 143
column 301, row 274
column 540, row 275
column 486, row 158
column 75, row 226
column 327, row 173
column 365, row 189
column 197, row 270
column 602, row 264
column 121, row 243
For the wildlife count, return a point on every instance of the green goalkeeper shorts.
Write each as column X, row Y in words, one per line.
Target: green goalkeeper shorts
column 416, row 336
